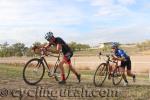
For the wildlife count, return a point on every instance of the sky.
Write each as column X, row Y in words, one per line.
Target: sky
column 83, row 21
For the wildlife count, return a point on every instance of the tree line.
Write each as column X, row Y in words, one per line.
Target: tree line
column 20, row 49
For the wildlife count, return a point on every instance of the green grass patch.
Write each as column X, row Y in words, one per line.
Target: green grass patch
column 10, row 71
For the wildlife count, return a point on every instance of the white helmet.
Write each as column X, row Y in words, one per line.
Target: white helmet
column 48, row 36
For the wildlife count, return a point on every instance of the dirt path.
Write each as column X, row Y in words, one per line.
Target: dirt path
column 21, row 91
column 138, row 90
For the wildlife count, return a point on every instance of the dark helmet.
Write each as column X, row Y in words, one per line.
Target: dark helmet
column 114, row 45
column 48, row 36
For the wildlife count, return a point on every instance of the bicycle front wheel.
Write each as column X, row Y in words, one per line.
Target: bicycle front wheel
column 58, row 73
column 100, row 74
column 33, row 71
column 117, row 76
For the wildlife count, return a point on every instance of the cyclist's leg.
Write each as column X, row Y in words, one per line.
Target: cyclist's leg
column 62, row 69
column 122, row 69
column 67, row 59
column 129, row 73
column 123, row 73
column 111, row 66
column 73, row 69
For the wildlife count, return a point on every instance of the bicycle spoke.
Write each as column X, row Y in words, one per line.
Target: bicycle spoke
column 100, row 75
column 117, row 76
column 33, row 71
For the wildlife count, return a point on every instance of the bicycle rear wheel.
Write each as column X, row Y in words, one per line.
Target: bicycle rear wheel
column 117, row 76
column 57, row 72
column 100, row 74
column 33, row 71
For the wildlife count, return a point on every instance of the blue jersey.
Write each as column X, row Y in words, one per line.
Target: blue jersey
column 121, row 53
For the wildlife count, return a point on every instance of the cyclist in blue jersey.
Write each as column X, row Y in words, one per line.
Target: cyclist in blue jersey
column 120, row 55
column 67, row 53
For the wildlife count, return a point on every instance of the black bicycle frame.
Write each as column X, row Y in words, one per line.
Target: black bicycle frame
column 45, row 62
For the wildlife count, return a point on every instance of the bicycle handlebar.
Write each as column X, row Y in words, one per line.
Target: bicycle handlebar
column 43, row 53
column 108, row 57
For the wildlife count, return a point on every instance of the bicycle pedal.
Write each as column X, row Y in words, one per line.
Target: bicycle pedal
column 50, row 75
column 116, row 75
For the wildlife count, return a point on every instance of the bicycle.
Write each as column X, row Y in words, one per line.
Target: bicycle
column 103, row 71
column 34, row 69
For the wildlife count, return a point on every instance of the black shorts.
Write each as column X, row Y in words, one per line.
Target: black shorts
column 67, row 57
column 126, row 63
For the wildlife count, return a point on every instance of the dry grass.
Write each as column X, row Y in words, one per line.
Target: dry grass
column 147, row 52
column 139, row 63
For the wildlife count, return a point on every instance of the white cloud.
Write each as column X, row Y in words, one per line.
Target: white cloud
column 113, row 11
column 112, row 2
column 124, row 34
column 28, row 20
column 127, row 2
column 32, row 11
column 112, row 8
column 30, row 35
column 101, row 2
column 25, row 35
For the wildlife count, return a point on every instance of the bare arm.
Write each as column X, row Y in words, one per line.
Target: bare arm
column 118, row 58
column 53, row 50
column 58, row 48
column 47, row 46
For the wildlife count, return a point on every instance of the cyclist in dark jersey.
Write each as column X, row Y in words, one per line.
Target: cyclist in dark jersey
column 125, row 61
column 67, row 52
